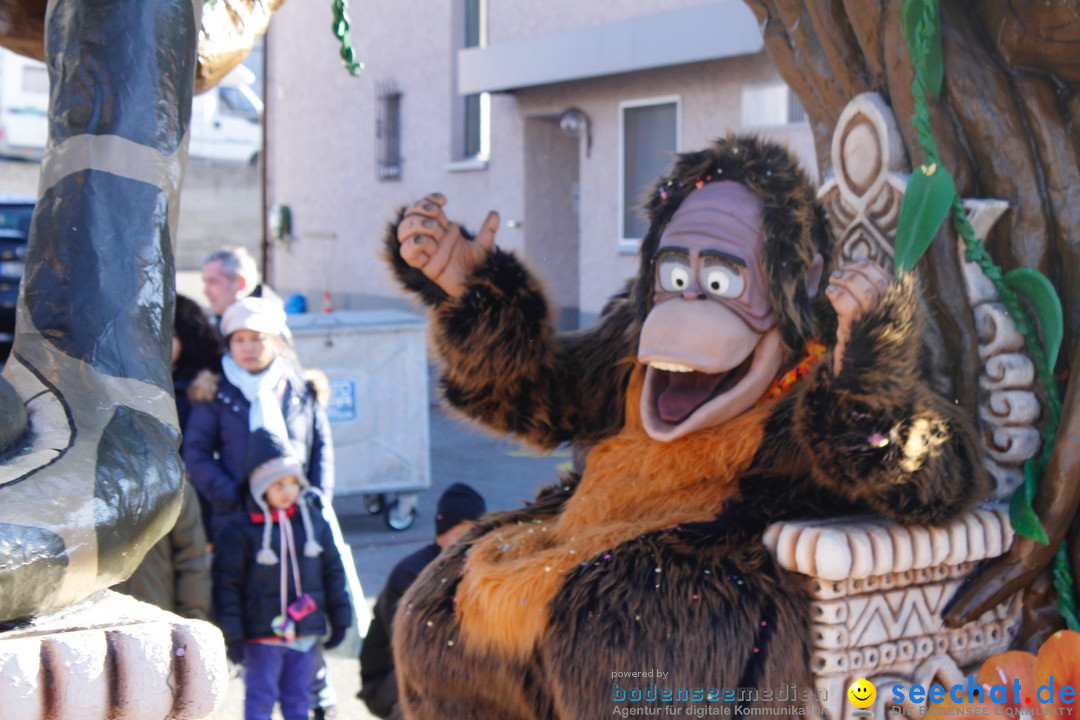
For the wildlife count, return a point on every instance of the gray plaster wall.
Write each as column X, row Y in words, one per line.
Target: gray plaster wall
column 321, row 144
column 709, row 94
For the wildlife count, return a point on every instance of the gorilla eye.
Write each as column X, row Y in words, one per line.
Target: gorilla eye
column 674, row 272
column 721, row 279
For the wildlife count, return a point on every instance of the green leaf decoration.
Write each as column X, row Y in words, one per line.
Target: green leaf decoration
column 927, row 201
column 1044, row 300
column 924, row 47
column 1021, row 514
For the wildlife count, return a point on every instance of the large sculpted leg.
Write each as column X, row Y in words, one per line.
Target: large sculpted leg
column 89, row 474
column 94, row 482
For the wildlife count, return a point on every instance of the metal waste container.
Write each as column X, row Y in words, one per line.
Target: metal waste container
column 376, row 361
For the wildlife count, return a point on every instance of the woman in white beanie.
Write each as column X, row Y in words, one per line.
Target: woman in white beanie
column 256, row 389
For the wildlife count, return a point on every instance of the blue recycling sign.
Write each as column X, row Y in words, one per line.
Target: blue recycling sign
column 342, row 406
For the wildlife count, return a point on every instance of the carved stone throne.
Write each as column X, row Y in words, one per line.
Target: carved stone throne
column 877, row 588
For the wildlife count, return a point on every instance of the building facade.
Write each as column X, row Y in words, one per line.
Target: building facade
column 558, row 115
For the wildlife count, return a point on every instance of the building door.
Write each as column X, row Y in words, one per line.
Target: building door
column 551, row 227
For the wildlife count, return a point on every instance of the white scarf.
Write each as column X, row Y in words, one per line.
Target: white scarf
column 258, row 388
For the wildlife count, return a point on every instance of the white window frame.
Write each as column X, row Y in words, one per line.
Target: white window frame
column 461, row 161
column 787, row 106
column 625, row 245
column 484, row 151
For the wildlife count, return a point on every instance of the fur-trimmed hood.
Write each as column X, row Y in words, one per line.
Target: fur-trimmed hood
column 319, row 383
column 204, row 386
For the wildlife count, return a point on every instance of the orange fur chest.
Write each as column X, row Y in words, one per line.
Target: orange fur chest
column 631, row 485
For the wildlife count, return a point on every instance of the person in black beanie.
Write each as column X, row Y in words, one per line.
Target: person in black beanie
column 459, row 506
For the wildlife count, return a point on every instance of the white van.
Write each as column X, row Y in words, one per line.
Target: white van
column 225, row 120
column 24, row 106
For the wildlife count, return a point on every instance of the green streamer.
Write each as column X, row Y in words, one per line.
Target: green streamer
column 342, row 32
column 922, row 30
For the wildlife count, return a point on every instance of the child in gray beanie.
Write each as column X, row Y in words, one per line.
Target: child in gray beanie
column 279, row 583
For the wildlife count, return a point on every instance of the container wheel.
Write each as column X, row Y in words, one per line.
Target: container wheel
column 400, row 516
column 374, row 504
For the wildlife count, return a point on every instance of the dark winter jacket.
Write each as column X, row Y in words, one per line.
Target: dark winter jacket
column 181, row 384
column 216, row 438
column 378, row 682
column 247, row 595
column 174, row 574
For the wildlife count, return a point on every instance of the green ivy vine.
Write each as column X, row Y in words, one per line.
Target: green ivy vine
column 930, row 196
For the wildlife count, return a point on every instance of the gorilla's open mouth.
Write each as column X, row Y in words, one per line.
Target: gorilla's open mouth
column 680, row 390
column 681, row 395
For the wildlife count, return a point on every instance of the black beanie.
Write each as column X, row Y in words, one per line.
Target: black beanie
column 458, row 502
column 263, row 446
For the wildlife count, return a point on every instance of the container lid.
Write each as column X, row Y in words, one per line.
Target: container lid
column 382, row 317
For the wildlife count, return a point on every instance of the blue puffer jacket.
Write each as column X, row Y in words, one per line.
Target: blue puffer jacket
column 215, row 441
column 247, row 595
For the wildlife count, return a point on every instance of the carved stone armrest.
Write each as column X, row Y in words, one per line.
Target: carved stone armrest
column 877, row 590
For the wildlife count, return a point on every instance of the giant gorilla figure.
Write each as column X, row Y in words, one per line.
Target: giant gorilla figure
column 739, row 383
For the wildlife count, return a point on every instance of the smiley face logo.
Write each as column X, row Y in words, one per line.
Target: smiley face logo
column 862, row 693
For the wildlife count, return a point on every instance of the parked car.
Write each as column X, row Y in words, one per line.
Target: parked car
column 225, row 120
column 24, row 106
column 15, row 214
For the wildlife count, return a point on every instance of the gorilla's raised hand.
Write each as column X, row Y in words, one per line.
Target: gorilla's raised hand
column 437, row 247
column 854, row 291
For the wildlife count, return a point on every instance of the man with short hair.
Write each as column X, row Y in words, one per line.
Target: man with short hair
column 228, row 274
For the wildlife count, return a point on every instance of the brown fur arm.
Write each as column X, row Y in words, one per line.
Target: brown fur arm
column 876, row 432
column 504, row 365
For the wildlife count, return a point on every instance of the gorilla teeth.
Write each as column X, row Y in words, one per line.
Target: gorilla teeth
column 671, row 367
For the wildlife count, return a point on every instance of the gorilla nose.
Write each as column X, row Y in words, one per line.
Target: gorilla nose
column 703, row 335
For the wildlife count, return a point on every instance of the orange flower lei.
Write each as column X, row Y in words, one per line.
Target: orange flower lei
column 814, row 351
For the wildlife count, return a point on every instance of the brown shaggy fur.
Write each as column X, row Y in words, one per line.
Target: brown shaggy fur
column 631, row 486
column 672, row 572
